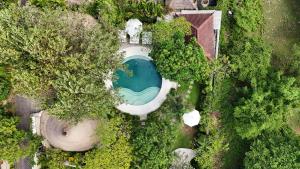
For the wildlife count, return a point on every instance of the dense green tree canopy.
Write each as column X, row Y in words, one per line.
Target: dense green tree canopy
column 55, row 158
column 5, row 3
column 4, row 84
column 250, row 59
column 266, row 105
column 211, row 148
column 14, row 143
column 293, row 68
column 49, row 3
column 180, row 61
column 114, row 150
column 248, row 15
column 59, row 57
column 117, row 155
column 106, row 10
column 117, row 12
column 164, row 31
column 278, row 150
column 154, row 143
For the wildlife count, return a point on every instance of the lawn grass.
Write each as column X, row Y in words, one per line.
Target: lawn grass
column 184, row 138
column 282, row 28
column 193, row 97
column 294, row 122
column 195, row 94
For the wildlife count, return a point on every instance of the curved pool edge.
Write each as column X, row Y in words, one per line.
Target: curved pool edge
column 166, row 86
column 143, row 110
column 138, row 98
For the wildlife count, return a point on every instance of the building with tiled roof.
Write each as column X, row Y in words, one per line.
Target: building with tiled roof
column 206, row 25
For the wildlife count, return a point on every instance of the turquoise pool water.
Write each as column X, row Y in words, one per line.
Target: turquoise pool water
column 141, row 83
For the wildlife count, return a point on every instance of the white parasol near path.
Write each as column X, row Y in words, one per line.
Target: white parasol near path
column 133, row 27
column 192, row 118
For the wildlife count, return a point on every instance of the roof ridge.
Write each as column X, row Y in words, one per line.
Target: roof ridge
column 205, row 21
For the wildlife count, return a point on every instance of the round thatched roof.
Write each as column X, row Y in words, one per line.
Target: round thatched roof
column 62, row 135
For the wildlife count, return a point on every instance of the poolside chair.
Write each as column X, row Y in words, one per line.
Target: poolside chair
column 122, row 36
column 147, row 38
column 135, row 39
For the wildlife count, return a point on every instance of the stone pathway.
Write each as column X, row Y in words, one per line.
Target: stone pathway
column 24, row 107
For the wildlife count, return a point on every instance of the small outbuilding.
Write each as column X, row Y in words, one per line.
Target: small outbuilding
column 206, row 25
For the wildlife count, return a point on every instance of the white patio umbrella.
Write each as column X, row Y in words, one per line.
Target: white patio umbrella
column 192, row 118
column 133, row 27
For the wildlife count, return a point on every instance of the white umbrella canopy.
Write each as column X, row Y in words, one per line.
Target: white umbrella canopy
column 133, row 27
column 192, row 118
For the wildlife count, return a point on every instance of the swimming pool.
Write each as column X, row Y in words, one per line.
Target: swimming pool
column 140, row 83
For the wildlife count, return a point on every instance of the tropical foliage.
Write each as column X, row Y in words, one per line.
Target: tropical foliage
column 14, row 143
column 54, row 158
column 211, row 149
column 248, row 15
column 4, row 84
column 274, row 150
column 60, row 57
column 116, row 12
column 59, row 60
column 5, row 3
column 117, row 155
column 154, row 143
column 250, row 59
column 267, row 105
column 164, row 31
column 115, row 150
column 146, row 11
column 179, row 61
column 107, row 11
column 49, row 3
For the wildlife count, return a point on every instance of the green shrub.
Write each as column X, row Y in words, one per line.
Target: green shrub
column 154, row 143
column 5, row 3
column 117, row 12
column 14, row 143
column 210, row 150
column 49, row 3
column 144, row 10
column 180, row 61
column 248, row 15
column 277, row 150
column 54, row 158
column 250, row 58
column 114, row 150
column 265, row 106
column 53, row 54
column 164, row 31
column 4, row 88
column 106, row 10
column 4, row 85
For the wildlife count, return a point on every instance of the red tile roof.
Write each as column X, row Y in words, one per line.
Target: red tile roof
column 203, row 30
